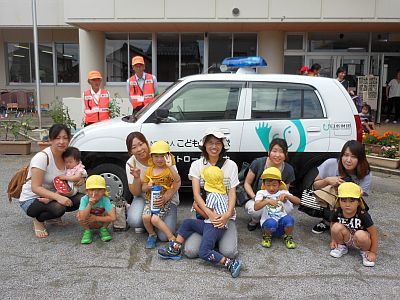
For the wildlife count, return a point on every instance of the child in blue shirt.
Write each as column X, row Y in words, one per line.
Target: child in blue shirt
column 96, row 210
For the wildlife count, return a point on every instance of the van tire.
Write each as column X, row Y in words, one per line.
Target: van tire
column 115, row 177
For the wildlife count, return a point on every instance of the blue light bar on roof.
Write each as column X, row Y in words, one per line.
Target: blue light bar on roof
column 243, row 62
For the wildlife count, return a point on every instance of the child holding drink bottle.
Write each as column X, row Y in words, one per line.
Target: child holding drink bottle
column 163, row 174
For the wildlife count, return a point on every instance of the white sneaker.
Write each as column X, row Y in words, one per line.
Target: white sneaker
column 366, row 262
column 394, row 122
column 139, row 230
column 339, row 251
column 387, row 121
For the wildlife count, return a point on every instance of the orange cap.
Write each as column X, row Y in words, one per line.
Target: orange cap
column 137, row 60
column 94, row 75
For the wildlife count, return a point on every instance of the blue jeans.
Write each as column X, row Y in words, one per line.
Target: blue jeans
column 227, row 246
column 211, row 236
column 135, row 220
column 278, row 227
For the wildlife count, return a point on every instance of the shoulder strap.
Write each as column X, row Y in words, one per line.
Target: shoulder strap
column 260, row 168
column 220, row 163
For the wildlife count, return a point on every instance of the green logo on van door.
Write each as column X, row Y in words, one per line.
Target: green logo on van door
column 294, row 136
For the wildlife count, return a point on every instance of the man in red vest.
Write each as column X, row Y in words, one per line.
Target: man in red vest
column 97, row 101
column 142, row 87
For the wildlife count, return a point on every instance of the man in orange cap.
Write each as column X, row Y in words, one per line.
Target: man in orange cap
column 142, row 87
column 97, row 101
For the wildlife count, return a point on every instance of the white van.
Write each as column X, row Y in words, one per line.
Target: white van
column 314, row 115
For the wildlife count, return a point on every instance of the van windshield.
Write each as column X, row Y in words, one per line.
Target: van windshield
column 145, row 109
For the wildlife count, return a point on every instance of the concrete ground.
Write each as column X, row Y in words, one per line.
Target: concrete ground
column 59, row 267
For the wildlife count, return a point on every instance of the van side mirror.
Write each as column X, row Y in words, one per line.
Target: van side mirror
column 161, row 113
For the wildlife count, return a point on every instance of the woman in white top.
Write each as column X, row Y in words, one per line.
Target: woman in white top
column 39, row 198
column 393, row 96
column 139, row 149
column 213, row 147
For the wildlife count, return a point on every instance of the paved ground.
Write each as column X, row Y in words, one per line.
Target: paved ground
column 59, row 267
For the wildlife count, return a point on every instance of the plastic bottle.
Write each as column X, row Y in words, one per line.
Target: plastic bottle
column 155, row 194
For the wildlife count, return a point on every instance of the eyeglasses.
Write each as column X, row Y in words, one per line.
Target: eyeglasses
column 217, row 144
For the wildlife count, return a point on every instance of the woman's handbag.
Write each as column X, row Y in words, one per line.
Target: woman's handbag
column 310, row 205
column 121, row 210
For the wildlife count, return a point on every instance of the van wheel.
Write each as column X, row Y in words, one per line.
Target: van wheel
column 116, row 180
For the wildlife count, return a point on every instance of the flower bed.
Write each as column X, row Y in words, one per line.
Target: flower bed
column 382, row 149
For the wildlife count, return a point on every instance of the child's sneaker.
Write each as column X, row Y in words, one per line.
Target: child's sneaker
column 266, row 241
column 339, row 251
column 365, row 260
column 173, row 251
column 234, row 267
column 290, row 244
column 87, row 237
column 151, row 242
column 105, row 234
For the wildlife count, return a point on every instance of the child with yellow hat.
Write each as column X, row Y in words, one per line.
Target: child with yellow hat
column 96, row 210
column 217, row 202
column 277, row 203
column 162, row 173
column 352, row 225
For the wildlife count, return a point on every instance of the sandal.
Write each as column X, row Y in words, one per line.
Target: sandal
column 41, row 233
column 61, row 186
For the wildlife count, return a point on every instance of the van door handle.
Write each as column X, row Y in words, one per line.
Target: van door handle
column 313, row 129
column 225, row 130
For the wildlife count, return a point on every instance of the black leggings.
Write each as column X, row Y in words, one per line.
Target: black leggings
column 52, row 210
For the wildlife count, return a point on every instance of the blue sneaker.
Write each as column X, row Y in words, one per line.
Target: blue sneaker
column 234, row 267
column 170, row 252
column 151, row 242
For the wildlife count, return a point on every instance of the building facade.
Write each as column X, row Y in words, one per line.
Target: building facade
column 179, row 38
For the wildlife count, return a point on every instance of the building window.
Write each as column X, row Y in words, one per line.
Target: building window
column 167, row 57
column 140, row 44
column 336, row 41
column 293, row 63
column 192, row 54
column 385, row 42
column 67, row 63
column 117, row 57
column 221, row 46
column 294, row 42
column 21, row 63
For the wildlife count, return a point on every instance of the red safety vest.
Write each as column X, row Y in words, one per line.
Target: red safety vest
column 141, row 97
column 95, row 112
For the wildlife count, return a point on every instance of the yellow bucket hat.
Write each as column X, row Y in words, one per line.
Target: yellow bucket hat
column 275, row 174
column 214, row 180
column 159, row 147
column 351, row 190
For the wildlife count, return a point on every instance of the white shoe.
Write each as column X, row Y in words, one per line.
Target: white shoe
column 387, row 121
column 394, row 122
column 366, row 262
column 339, row 251
column 139, row 230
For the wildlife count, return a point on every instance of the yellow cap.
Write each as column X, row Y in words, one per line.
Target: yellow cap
column 95, row 182
column 137, row 60
column 274, row 174
column 94, row 75
column 349, row 190
column 213, row 180
column 159, row 147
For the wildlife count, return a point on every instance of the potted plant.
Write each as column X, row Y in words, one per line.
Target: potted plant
column 14, row 137
column 387, row 155
column 60, row 115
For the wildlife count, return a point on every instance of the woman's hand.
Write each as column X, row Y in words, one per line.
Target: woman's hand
column 134, row 170
column 335, row 180
column 80, row 182
column 64, row 201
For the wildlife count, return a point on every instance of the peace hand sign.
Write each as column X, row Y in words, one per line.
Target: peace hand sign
column 134, row 170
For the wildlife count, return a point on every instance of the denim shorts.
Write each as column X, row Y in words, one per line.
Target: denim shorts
column 25, row 204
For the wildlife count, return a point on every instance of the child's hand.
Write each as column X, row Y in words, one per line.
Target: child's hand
column 273, row 202
column 282, row 198
column 134, row 170
column 168, row 160
column 92, row 201
column 333, row 245
column 371, row 256
column 150, row 185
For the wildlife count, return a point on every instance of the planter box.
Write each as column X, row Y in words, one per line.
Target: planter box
column 15, row 147
column 43, row 145
column 384, row 162
column 373, row 148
